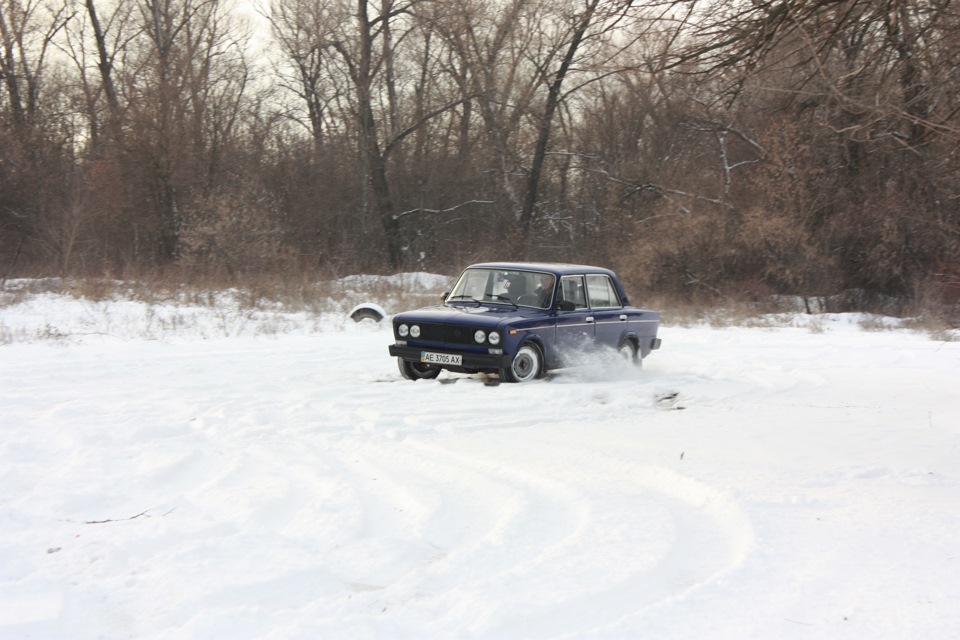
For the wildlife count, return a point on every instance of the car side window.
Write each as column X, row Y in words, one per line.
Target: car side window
column 571, row 288
column 602, row 292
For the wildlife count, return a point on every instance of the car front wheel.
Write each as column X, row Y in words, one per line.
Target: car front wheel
column 417, row 370
column 526, row 365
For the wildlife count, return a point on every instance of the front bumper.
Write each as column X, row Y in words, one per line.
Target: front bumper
column 470, row 359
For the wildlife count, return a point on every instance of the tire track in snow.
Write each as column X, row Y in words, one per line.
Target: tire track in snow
column 466, row 514
column 556, row 533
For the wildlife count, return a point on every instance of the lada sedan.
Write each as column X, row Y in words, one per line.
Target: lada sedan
column 518, row 320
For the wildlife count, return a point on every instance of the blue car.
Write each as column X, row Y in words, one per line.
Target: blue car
column 518, row 320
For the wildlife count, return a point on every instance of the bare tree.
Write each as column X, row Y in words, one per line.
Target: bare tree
column 587, row 43
column 373, row 77
column 304, row 31
column 27, row 30
column 186, row 86
column 489, row 47
column 554, row 80
column 865, row 79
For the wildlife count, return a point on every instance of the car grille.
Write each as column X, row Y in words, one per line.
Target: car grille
column 449, row 333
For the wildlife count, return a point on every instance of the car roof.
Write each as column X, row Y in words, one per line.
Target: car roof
column 557, row 268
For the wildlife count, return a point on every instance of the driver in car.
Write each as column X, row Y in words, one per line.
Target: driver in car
column 544, row 290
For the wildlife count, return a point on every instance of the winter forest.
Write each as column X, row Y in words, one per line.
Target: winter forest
column 703, row 148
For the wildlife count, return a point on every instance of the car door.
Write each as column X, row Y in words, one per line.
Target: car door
column 609, row 317
column 575, row 327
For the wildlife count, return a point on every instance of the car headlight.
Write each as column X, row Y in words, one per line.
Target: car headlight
column 415, row 331
column 403, row 331
column 480, row 336
column 494, row 338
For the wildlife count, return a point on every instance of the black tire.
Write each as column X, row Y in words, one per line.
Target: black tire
column 527, row 365
column 416, row 370
column 629, row 352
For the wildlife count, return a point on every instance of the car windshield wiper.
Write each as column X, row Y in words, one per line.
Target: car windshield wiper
column 488, row 296
column 497, row 296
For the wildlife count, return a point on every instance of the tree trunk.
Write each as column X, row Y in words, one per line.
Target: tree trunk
column 374, row 160
column 105, row 65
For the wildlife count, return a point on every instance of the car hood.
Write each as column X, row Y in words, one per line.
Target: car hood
column 468, row 314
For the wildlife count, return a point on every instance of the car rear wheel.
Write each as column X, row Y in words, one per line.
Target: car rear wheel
column 527, row 365
column 628, row 351
column 417, row 370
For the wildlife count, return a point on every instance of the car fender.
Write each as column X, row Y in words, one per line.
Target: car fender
column 629, row 334
column 514, row 338
column 546, row 347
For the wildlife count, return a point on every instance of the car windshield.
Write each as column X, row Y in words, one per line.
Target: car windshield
column 505, row 286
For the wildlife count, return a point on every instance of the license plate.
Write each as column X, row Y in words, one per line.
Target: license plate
column 441, row 358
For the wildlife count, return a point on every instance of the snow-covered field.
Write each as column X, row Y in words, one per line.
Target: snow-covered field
column 207, row 479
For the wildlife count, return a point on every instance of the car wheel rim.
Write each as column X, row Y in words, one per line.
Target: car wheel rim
column 525, row 364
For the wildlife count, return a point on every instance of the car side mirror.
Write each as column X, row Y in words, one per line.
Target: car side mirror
column 443, row 296
column 566, row 305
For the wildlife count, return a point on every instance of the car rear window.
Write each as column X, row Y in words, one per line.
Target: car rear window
column 601, row 291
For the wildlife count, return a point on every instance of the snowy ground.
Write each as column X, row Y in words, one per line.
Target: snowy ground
column 220, row 483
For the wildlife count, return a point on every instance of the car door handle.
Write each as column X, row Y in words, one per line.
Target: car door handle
column 623, row 316
column 589, row 319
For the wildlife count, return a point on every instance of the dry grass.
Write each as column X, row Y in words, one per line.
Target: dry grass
column 940, row 322
column 265, row 294
column 166, row 308
column 261, row 301
column 726, row 313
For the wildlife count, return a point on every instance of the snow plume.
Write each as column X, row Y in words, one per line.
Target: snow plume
column 596, row 364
